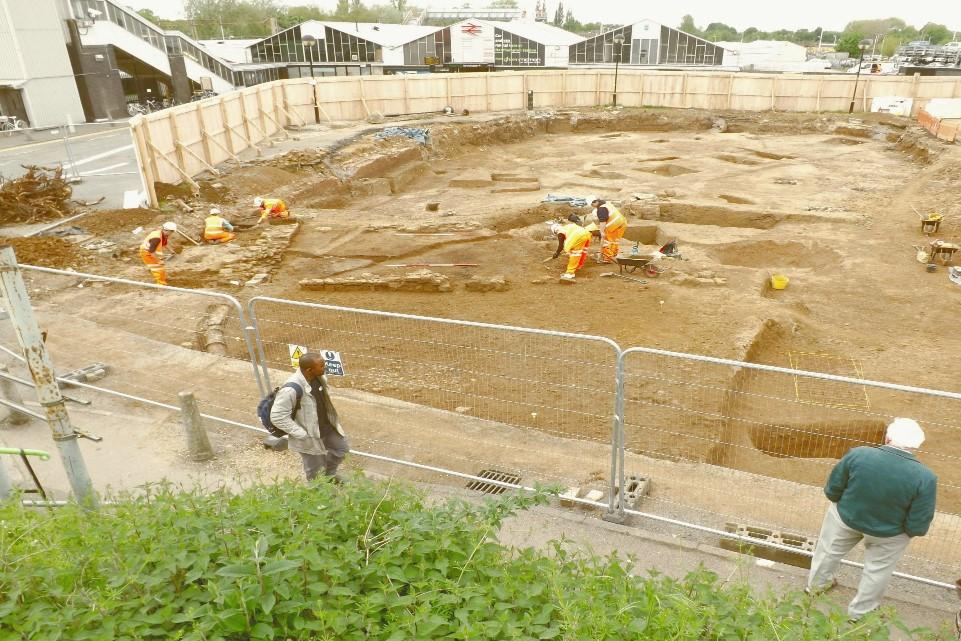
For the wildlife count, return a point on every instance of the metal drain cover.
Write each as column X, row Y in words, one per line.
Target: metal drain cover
column 494, row 475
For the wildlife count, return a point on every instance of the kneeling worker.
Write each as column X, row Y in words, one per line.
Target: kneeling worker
column 152, row 251
column 573, row 239
column 272, row 207
column 217, row 229
column 611, row 225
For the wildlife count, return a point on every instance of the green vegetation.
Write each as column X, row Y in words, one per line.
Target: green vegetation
column 888, row 33
column 362, row 561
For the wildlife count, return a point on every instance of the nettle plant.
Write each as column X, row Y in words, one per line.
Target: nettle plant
column 360, row 561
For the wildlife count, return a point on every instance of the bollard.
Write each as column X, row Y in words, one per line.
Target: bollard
column 6, row 488
column 530, row 100
column 198, row 444
column 11, row 392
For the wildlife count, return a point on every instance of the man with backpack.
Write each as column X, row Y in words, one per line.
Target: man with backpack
column 302, row 408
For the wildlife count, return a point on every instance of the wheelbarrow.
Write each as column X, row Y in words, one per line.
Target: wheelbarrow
column 649, row 264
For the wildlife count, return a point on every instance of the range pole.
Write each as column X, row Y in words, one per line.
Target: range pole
column 44, row 377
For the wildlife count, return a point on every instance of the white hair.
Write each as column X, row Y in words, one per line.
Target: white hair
column 905, row 433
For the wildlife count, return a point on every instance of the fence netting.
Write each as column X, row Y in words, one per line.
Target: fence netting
column 736, row 444
column 536, row 406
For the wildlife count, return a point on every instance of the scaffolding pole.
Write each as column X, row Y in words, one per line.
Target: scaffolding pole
column 44, row 377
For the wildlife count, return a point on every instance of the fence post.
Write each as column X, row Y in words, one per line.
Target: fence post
column 6, row 487
column 44, row 377
column 12, row 393
column 198, row 444
column 615, row 506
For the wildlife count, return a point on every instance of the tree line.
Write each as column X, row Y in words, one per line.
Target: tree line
column 885, row 34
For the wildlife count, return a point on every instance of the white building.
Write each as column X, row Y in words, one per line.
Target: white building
column 648, row 43
column 770, row 55
column 509, row 44
column 36, row 79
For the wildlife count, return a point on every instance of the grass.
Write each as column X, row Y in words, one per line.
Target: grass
column 363, row 561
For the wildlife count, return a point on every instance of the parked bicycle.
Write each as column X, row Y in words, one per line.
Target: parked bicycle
column 11, row 124
column 135, row 109
column 202, row 95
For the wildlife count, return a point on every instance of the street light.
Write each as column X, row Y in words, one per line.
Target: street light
column 863, row 45
column 618, row 42
column 309, row 41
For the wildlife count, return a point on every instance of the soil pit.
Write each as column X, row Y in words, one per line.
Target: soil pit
column 836, row 302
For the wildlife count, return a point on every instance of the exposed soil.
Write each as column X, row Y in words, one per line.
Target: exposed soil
column 799, row 202
column 46, row 251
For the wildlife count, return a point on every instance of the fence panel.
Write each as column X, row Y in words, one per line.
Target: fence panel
column 473, row 396
column 154, row 342
column 736, row 442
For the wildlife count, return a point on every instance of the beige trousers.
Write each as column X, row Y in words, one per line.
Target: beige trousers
column 881, row 554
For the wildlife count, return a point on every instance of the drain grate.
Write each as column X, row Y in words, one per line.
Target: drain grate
column 493, row 475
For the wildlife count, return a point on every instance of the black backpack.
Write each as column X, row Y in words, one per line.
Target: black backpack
column 265, row 406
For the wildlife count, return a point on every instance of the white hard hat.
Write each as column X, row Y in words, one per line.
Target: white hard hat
column 169, row 227
column 214, row 212
column 258, row 201
column 555, row 228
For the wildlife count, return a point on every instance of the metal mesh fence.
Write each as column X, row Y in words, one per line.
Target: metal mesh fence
column 472, row 396
column 728, row 442
column 148, row 343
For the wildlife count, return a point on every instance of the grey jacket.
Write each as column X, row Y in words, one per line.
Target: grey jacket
column 304, row 429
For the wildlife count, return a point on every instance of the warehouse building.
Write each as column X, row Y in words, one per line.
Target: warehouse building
column 647, row 43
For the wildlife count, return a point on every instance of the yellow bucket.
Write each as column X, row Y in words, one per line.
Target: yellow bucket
column 779, row 281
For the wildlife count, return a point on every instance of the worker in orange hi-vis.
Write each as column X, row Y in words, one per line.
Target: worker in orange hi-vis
column 573, row 239
column 152, row 251
column 217, row 229
column 611, row 225
column 272, row 207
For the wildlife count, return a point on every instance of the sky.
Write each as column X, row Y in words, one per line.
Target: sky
column 829, row 14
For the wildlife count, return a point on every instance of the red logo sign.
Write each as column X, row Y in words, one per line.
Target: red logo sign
column 471, row 29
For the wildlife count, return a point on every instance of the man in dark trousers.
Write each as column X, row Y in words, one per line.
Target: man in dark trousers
column 883, row 495
column 314, row 431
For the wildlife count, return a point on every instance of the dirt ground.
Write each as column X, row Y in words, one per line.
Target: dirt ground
column 823, row 200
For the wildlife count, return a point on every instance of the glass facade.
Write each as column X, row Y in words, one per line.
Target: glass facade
column 337, row 46
column 429, row 50
column 648, row 47
column 511, row 50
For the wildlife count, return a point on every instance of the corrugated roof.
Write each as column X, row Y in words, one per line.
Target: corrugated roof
column 539, row 32
column 234, row 50
column 386, row 35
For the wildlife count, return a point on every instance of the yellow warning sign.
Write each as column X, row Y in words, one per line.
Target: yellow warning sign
column 296, row 351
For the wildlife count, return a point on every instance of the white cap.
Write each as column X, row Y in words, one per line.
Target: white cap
column 906, row 433
column 258, row 201
column 214, row 212
column 169, row 227
column 555, row 228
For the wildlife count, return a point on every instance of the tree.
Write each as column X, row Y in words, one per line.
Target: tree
column 936, row 33
column 401, row 5
column 849, row 42
column 236, row 18
column 719, row 31
column 150, row 15
column 559, row 14
column 687, row 25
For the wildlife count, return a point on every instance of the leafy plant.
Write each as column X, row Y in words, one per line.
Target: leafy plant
column 363, row 561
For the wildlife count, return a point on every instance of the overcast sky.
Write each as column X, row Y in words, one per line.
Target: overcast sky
column 830, row 14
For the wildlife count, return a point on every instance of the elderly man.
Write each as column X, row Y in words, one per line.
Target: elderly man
column 308, row 416
column 883, row 495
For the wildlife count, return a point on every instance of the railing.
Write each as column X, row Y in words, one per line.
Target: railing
column 722, row 440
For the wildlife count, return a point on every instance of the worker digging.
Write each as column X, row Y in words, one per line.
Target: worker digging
column 152, row 251
column 611, row 226
column 217, row 229
column 272, row 208
column 574, row 240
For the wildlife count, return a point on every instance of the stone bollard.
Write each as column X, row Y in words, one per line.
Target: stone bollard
column 198, row 444
column 11, row 392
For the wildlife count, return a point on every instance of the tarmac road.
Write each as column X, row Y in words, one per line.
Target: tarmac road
column 103, row 160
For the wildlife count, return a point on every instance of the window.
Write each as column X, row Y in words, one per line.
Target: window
column 600, row 49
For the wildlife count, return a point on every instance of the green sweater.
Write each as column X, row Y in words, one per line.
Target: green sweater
column 883, row 491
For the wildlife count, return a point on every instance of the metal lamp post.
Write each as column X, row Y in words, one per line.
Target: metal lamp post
column 618, row 42
column 863, row 45
column 309, row 41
